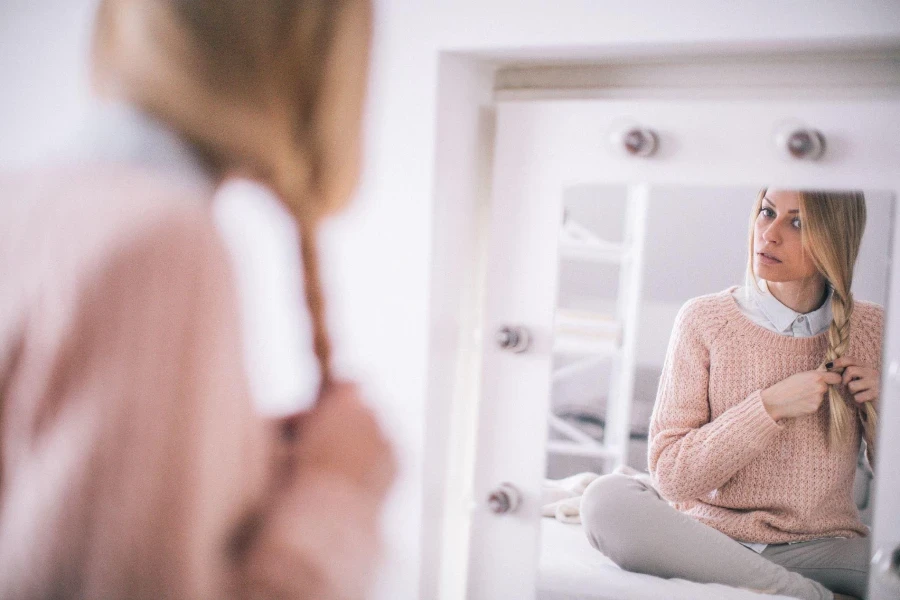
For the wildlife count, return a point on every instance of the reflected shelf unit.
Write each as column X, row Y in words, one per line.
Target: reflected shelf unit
column 591, row 338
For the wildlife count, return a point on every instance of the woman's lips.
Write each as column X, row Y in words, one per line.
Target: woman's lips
column 767, row 259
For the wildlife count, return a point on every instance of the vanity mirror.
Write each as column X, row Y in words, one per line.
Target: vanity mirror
column 592, row 252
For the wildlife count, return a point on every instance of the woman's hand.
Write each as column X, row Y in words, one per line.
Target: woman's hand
column 862, row 381
column 341, row 436
column 319, row 536
column 799, row 394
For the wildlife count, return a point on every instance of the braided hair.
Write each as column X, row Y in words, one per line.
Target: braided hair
column 833, row 225
column 243, row 81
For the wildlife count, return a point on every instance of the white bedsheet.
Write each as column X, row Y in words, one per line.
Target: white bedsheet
column 570, row 569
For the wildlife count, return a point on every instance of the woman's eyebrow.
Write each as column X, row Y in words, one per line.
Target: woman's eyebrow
column 772, row 204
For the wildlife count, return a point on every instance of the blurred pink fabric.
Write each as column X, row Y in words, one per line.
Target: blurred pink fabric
column 132, row 464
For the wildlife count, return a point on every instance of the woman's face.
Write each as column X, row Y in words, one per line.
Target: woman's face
column 777, row 245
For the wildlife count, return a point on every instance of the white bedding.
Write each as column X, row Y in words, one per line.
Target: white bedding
column 570, row 569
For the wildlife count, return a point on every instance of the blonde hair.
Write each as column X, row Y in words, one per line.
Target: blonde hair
column 242, row 81
column 832, row 228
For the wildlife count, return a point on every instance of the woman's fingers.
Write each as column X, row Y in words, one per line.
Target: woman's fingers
column 339, row 389
column 854, row 372
column 859, row 385
column 844, row 362
column 341, row 434
column 865, row 396
column 860, row 380
column 831, row 378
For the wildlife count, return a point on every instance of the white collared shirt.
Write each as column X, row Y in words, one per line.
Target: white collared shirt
column 761, row 307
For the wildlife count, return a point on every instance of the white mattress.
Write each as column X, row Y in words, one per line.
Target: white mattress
column 570, row 569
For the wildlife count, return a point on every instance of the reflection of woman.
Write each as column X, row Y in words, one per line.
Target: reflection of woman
column 133, row 464
column 743, row 445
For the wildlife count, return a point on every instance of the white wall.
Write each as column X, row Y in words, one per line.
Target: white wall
column 43, row 75
column 383, row 248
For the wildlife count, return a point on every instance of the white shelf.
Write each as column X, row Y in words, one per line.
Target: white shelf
column 577, row 242
column 592, row 338
column 584, row 345
column 578, row 443
column 577, row 449
column 582, row 322
column 583, row 333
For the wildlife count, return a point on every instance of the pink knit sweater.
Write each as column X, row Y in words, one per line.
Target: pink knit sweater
column 132, row 463
column 717, row 455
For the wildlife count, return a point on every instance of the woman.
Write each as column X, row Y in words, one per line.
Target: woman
column 752, row 469
column 133, row 464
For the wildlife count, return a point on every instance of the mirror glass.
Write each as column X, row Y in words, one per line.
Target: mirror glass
column 627, row 340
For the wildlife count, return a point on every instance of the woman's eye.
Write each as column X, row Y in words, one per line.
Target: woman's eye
column 796, row 223
column 767, row 212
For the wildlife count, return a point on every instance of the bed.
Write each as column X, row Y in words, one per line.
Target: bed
column 570, row 569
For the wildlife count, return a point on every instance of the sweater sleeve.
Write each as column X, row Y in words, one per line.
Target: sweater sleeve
column 290, row 532
column 170, row 485
column 317, row 540
column 691, row 455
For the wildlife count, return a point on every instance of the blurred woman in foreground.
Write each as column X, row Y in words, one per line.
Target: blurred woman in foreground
column 132, row 462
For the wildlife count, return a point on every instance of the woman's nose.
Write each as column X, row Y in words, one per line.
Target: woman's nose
column 771, row 234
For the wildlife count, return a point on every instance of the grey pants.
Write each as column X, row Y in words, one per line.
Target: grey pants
column 626, row 519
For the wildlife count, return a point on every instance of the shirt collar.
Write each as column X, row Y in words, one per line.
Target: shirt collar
column 118, row 132
column 785, row 319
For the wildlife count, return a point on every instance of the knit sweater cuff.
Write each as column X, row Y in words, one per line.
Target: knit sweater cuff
column 754, row 418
